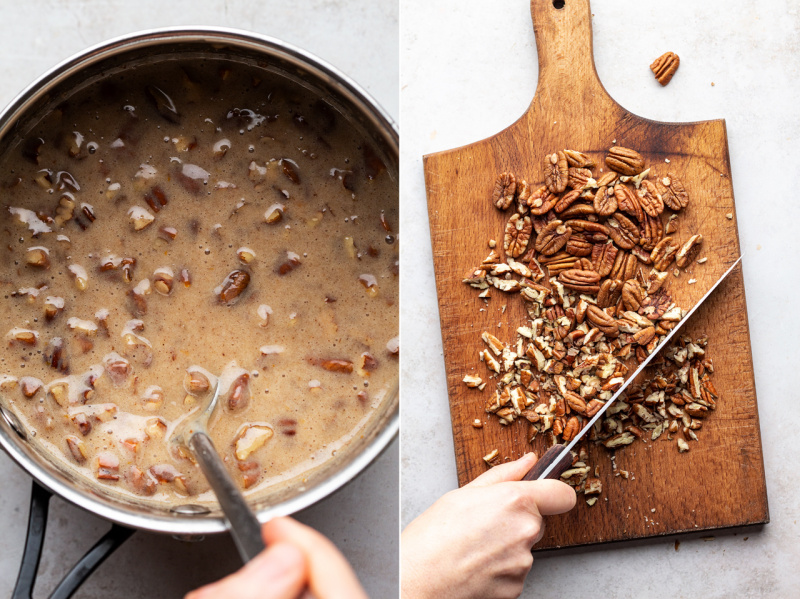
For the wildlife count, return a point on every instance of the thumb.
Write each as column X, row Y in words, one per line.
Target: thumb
column 279, row 572
column 506, row 472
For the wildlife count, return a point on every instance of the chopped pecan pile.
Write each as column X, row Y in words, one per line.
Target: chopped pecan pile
column 590, row 261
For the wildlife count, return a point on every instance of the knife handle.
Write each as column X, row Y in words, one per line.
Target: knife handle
column 550, row 456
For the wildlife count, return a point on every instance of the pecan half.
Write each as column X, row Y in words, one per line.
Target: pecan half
column 624, row 232
column 672, row 191
column 559, row 262
column 556, row 172
column 625, row 161
column 663, row 254
column 575, row 402
column 239, row 393
column 607, row 179
column 603, row 257
column 632, row 295
column 578, row 245
column 566, row 200
column 578, row 159
column 644, row 336
column 542, row 201
column 505, row 186
column 577, row 178
column 624, row 267
column 518, row 232
column 577, row 210
column 601, row 319
column 585, row 281
column 628, row 202
column 652, row 232
column 650, row 199
column 552, row 238
column 609, row 294
column 571, row 428
column 688, row 251
column 587, row 226
column 605, row 201
column 540, row 221
column 664, row 67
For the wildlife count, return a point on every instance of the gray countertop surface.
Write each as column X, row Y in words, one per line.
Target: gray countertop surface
column 356, row 36
column 469, row 69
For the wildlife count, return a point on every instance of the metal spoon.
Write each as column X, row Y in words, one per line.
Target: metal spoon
column 244, row 527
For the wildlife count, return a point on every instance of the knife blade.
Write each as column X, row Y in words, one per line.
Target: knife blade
column 558, row 457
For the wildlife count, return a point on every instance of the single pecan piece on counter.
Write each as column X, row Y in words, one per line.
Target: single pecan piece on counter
column 672, row 192
column 625, row 161
column 518, row 232
column 556, row 172
column 553, row 238
column 504, row 189
column 664, row 67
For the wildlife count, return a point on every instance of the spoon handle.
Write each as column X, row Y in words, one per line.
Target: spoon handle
column 245, row 529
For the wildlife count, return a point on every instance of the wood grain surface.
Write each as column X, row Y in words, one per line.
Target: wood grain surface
column 720, row 482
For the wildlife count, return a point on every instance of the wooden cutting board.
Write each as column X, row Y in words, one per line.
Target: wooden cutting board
column 720, row 482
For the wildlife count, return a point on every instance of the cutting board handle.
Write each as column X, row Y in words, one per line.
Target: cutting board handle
column 563, row 31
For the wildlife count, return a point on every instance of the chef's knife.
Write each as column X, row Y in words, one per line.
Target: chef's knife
column 558, row 458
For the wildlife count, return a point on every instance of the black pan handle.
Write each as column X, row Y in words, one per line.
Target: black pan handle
column 91, row 560
column 37, row 525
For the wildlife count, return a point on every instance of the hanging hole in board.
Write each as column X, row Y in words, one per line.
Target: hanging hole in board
column 558, row 4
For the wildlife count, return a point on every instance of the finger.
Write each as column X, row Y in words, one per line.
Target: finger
column 549, row 497
column 506, row 472
column 329, row 574
column 279, row 572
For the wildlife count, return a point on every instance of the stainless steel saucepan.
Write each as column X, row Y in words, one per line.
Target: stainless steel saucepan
column 237, row 46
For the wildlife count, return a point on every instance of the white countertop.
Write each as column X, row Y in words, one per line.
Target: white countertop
column 360, row 38
column 469, row 70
